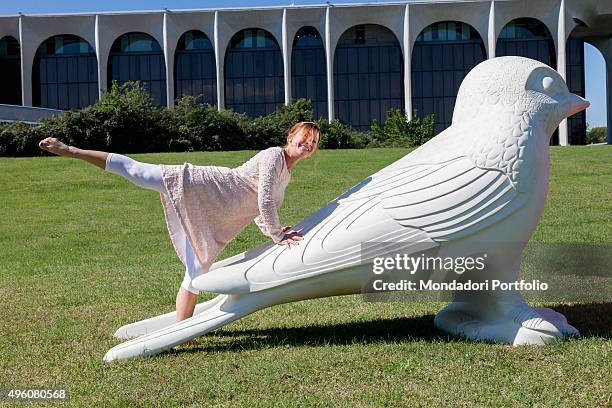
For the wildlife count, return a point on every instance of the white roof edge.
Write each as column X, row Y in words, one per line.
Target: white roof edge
column 280, row 7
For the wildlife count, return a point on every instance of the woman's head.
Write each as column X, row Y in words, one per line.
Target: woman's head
column 303, row 139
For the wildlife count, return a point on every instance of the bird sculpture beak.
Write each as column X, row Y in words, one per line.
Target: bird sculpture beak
column 576, row 104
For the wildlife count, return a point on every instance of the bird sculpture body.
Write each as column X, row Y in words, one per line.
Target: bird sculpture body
column 480, row 183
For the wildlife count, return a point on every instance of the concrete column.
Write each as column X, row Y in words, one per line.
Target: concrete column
column 169, row 60
column 219, row 66
column 286, row 60
column 561, row 36
column 26, row 67
column 608, row 60
column 492, row 38
column 101, row 61
column 330, row 66
column 407, row 65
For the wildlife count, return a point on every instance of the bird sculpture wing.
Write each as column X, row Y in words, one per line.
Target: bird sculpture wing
column 415, row 202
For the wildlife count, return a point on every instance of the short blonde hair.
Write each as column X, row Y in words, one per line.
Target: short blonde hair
column 307, row 129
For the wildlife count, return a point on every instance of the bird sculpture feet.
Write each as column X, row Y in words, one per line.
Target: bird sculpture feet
column 514, row 323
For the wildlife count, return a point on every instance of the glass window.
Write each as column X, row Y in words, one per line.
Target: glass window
column 528, row 37
column 64, row 70
column 368, row 75
column 254, row 62
column 138, row 57
column 10, row 71
column 308, row 76
column 575, row 83
column 440, row 61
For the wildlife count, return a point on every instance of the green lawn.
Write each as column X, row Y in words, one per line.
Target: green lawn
column 83, row 252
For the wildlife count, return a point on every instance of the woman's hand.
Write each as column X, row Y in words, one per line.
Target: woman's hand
column 291, row 237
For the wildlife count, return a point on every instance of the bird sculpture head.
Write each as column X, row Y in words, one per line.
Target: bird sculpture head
column 506, row 87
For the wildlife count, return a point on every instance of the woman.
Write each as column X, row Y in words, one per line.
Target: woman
column 205, row 207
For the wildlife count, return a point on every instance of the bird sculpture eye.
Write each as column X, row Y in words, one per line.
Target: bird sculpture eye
column 547, row 84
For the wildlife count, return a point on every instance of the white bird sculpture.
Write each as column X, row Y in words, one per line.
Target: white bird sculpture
column 482, row 180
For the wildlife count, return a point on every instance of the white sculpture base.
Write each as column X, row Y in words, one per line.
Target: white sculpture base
column 509, row 323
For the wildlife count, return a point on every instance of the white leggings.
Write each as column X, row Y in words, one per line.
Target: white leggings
column 149, row 176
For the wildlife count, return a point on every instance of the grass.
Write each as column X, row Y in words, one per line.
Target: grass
column 83, row 252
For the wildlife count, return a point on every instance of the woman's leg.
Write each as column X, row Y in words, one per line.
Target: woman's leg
column 142, row 174
column 187, row 296
column 185, row 304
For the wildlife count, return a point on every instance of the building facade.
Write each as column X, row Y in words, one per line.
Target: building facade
column 354, row 62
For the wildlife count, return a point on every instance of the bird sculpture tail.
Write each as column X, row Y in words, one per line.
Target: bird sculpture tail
column 218, row 312
column 142, row 327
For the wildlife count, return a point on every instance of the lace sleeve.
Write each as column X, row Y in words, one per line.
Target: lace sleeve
column 268, row 222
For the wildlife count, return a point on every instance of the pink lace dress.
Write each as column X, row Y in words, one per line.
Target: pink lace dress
column 210, row 205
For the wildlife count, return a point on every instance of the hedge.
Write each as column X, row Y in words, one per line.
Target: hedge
column 126, row 120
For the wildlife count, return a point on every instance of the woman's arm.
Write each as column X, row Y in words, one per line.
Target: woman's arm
column 268, row 222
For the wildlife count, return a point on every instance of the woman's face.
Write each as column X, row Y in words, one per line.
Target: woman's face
column 302, row 148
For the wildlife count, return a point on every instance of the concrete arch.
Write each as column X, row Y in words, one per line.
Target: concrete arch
column 174, row 26
column 363, row 97
column 437, row 80
column 575, row 79
column 36, row 29
column 210, row 38
column 316, row 79
column 9, row 36
column 228, row 23
column 474, row 14
column 244, row 83
column 137, row 54
column 175, row 62
column 342, row 19
column 295, row 19
column 545, row 11
column 9, row 27
column 604, row 46
column 109, row 27
column 554, row 52
column 303, row 27
column 37, row 86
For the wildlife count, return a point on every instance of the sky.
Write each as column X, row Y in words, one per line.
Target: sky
column 594, row 63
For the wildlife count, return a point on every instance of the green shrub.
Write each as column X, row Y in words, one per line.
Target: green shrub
column 337, row 135
column 271, row 130
column 399, row 132
column 126, row 120
column 192, row 126
column 19, row 139
column 597, row 135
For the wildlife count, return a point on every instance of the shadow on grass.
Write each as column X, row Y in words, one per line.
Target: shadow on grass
column 374, row 331
column 592, row 320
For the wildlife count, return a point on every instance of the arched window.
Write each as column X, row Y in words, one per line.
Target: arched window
column 368, row 75
column 195, row 68
column 308, row 76
column 574, row 69
column 138, row 56
column 254, row 73
column 65, row 73
column 10, row 71
column 443, row 54
column 528, row 37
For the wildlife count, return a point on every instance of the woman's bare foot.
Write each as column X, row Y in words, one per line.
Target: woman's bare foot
column 54, row 146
